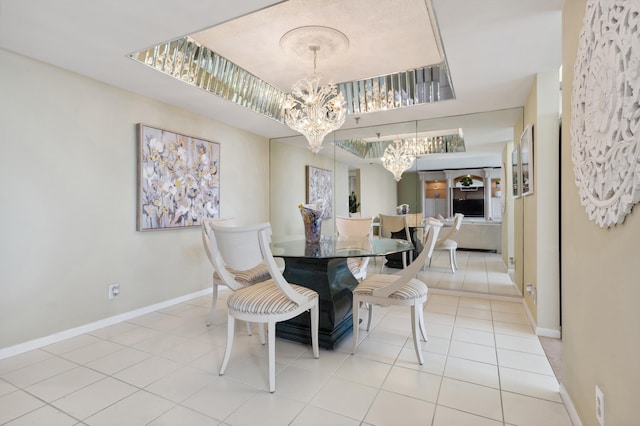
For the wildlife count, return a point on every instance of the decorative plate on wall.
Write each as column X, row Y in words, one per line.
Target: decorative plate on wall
column 605, row 123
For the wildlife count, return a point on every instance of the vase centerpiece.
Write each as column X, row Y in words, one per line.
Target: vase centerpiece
column 312, row 215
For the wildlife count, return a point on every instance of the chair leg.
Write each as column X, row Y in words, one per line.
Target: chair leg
column 249, row 328
column 315, row 313
column 227, row 351
column 214, row 301
column 271, row 330
column 423, row 329
column 455, row 258
column 415, row 319
column 356, row 323
column 369, row 315
column 453, row 268
column 261, row 333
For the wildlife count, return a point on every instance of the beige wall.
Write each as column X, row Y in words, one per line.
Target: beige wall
column 409, row 191
column 508, row 226
column 600, row 291
column 537, row 223
column 288, row 183
column 68, row 197
column 378, row 190
column 546, row 198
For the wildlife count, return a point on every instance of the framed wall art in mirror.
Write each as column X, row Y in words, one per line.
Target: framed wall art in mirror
column 319, row 186
column 526, row 160
column 178, row 179
column 515, row 172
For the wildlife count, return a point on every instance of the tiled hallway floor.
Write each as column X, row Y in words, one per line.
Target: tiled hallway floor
column 478, row 272
column 483, row 366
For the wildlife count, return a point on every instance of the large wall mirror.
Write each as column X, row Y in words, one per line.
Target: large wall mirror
column 432, row 186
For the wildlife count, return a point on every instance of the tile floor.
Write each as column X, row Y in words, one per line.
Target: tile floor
column 483, row 366
column 478, row 272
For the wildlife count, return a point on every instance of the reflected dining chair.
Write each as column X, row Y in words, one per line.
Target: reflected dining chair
column 400, row 289
column 447, row 243
column 270, row 301
column 241, row 277
column 356, row 227
column 395, row 226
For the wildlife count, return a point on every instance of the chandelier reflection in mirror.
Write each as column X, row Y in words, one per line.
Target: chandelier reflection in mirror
column 314, row 110
column 399, row 157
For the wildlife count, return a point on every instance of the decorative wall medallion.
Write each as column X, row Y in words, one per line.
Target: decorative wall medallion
column 605, row 122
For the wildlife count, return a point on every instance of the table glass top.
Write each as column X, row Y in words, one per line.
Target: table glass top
column 337, row 247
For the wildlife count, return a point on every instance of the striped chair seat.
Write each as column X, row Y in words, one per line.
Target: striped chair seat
column 265, row 298
column 250, row 276
column 447, row 245
column 357, row 266
column 412, row 290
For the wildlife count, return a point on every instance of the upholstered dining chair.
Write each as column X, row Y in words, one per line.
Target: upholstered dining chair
column 241, row 277
column 401, row 289
column 270, row 301
column 356, row 227
column 395, row 226
column 447, row 243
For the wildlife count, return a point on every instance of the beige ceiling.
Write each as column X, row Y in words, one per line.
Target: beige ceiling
column 385, row 37
column 494, row 48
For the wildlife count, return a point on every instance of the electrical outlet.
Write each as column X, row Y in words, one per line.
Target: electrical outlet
column 599, row 406
column 114, row 290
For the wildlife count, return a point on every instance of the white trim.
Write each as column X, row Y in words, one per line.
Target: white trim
column 540, row 331
column 548, row 332
column 571, row 409
column 86, row 328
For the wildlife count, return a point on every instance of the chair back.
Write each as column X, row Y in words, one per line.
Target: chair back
column 206, row 228
column 354, row 226
column 457, row 223
column 411, row 271
column 264, row 240
column 237, row 248
column 415, row 219
column 390, row 224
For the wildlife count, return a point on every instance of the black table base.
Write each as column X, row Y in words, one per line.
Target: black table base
column 334, row 283
column 395, row 260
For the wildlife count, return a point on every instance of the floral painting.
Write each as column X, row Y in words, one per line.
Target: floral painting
column 178, row 179
column 319, row 187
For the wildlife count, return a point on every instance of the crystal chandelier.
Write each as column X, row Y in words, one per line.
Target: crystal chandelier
column 312, row 109
column 398, row 157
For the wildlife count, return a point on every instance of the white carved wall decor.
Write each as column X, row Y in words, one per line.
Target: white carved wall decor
column 605, row 122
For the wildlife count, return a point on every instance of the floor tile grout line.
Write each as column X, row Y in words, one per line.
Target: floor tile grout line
column 444, row 368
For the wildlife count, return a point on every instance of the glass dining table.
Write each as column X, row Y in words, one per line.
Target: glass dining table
column 323, row 267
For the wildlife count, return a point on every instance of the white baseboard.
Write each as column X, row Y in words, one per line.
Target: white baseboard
column 571, row 409
column 548, row 332
column 73, row 332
